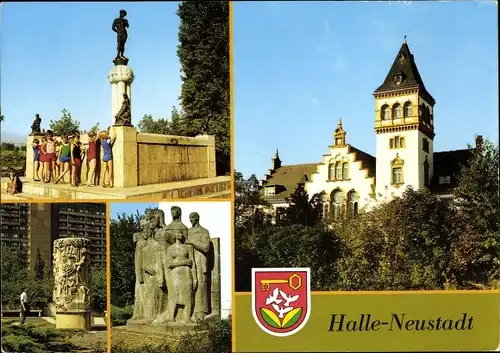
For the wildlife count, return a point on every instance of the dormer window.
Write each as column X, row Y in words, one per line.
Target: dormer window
column 270, row 191
column 398, row 78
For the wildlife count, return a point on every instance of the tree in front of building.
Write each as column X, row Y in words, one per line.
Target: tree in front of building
column 204, row 56
column 303, row 209
column 476, row 251
column 65, row 125
column 99, row 290
column 39, row 266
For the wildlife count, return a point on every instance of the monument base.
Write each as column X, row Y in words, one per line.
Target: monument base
column 74, row 321
column 136, row 325
column 218, row 187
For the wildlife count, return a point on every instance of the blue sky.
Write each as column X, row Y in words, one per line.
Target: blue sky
column 118, row 208
column 58, row 55
column 299, row 67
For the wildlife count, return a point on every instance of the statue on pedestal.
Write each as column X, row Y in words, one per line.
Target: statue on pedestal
column 35, row 127
column 120, row 26
column 124, row 116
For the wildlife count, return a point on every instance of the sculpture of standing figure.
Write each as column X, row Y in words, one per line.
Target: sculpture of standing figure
column 120, row 26
column 199, row 237
column 35, row 127
column 182, row 281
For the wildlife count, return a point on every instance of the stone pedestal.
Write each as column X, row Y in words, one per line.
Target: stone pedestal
column 125, row 156
column 121, row 78
column 30, row 155
column 72, row 283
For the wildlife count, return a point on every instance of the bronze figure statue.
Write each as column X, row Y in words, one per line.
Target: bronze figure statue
column 35, row 127
column 124, row 116
column 120, row 26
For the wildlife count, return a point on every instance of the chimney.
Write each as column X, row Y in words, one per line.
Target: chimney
column 479, row 143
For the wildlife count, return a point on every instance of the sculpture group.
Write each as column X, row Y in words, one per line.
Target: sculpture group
column 173, row 266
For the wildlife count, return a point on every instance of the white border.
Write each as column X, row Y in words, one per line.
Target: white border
column 282, row 269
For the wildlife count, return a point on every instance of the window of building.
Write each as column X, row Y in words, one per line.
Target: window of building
column 338, row 170
column 331, row 171
column 444, row 180
column 338, row 204
column 345, row 170
column 397, row 142
column 397, row 177
column 408, row 110
column 425, row 145
column 397, row 111
column 324, row 206
column 270, row 191
column 352, row 203
column 426, row 172
column 385, row 112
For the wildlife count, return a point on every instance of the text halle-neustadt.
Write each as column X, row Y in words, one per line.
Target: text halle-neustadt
column 399, row 322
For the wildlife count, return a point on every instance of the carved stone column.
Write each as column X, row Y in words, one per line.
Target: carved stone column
column 72, row 283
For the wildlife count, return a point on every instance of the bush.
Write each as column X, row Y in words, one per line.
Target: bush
column 119, row 316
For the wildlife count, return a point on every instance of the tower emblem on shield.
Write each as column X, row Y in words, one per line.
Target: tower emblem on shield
column 281, row 299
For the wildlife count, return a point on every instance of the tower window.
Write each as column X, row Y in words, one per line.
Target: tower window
column 425, row 145
column 426, row 172
column 397, row 111
column 385, row 112
column 408, row 110
column 397, row 142
column 397, row 175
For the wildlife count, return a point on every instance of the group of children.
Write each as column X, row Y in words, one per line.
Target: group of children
column 55, row 159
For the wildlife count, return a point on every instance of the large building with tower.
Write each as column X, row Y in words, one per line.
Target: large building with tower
column 347, row 179
column 30, row 229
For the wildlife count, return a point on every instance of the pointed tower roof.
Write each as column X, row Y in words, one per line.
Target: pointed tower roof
column 403, row 73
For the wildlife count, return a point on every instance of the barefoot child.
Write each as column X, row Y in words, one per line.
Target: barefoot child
column 107, row 157
column 64, row 158
column 76, row 161
column 92, row 158
column 57, row 168
column 44, row 160
column 51, row 155
column 36, row 159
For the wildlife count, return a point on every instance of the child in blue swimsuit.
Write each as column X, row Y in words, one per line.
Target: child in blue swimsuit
column 107, row 157
column 36, row 159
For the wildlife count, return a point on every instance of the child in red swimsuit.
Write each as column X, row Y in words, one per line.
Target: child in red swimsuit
column 76, row 160
column 92, row 158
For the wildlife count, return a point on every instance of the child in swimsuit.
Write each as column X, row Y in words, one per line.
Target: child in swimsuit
column 57, row 169
column 43, row 160
column 36, row 159
column 107, row 157
column 51, row 155
column 76, row 160
column 92, row 158
column 64, row 158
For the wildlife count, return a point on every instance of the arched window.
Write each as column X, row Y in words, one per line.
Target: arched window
column 397, row 177
column 352, row 202
column 345, row 170
column 385, row 112
column 397, row 111
column 338, row 170
column 408, row 110
column 331, row 171
column 338, row 200
column 324, row 206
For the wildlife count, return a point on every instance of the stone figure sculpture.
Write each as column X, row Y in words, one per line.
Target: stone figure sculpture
column 120, row 26
column 199, row 238
column 124, row 115
column 35, row 127
column 172, row 270
column 71, row 274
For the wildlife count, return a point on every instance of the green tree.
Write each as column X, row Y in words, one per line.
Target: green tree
column 65, row 126
column 39, row 266
column 302, row 209
column 2, row 118
column 476, row 253
column 99, row 291
column 151, row 126
column 177, row 126
column 204, row 56
column 122, row 259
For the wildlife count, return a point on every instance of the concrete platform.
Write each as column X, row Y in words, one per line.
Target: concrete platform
column 218, row 187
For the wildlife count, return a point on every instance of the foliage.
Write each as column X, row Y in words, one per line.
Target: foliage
column 476, row 253
column 98, row 293
column 122, row 259
column 32, row 338
column 151, row 126
column 12, row 156
column 65, row 126
column 302, row 209
column 96, row 128
column 39, row 266
column 204, row 56
column 119, row 316
column 2, row 118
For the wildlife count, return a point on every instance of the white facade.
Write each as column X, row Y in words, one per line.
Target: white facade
column 354, row 180
column 216, row 218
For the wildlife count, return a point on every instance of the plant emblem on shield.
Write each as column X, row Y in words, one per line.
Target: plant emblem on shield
column 281, row 299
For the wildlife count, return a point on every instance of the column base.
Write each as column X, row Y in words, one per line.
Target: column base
column 74, row 321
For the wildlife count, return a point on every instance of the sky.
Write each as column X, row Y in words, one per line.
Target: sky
column 118, row 208
column 57, row 55
column 299, row 67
